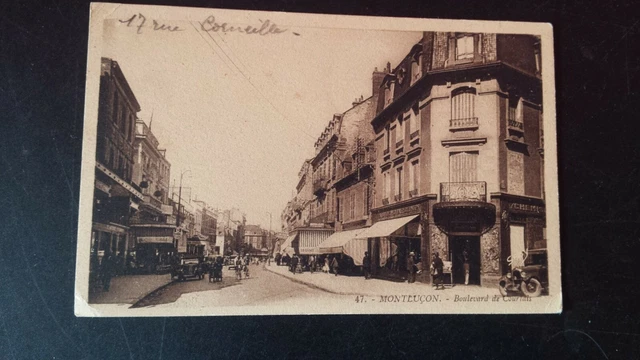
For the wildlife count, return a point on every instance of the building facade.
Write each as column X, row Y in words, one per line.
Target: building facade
column 116, row 197
column 458, row 156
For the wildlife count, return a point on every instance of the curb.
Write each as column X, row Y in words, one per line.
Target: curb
column 135, row 304
column 314, row 286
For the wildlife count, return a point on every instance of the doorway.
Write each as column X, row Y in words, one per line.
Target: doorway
column 465, row 249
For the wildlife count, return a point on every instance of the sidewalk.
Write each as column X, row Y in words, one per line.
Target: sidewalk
column 357, row 285
column 127, row 289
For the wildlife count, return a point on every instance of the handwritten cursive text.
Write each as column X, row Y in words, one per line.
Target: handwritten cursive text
column 266, row 27
column 139, row 21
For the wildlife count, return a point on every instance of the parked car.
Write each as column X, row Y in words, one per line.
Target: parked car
column 531, row 279
column 188, row 268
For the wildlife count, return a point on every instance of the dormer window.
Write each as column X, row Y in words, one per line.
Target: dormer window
column 464, row 47
column 416, row 70
column 388, row 93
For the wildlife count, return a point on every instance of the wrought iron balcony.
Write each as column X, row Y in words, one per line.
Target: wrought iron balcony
column 464, row 123
column 463, row 191
column 319, row 185
column 515, row 125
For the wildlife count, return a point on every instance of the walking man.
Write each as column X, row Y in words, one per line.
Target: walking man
column 437, row 267
column 335, row 265
column 411, row 267
column 366, row 265
column 107, row 270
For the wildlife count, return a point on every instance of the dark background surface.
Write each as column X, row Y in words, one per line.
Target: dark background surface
column 43, row 49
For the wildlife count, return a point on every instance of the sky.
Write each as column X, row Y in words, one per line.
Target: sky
column 242, row 112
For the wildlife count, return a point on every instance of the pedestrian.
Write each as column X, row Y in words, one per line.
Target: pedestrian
column 294, row 264
column 465, row 264
column 108, row 264
column 437, row 267
column 411, row 267
column 325, row 267
column 335, row 265
column 366, row 265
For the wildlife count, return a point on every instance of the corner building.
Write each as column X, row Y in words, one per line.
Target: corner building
column 459, row 156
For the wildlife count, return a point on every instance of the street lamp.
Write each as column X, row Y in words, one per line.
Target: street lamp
column 270, row 240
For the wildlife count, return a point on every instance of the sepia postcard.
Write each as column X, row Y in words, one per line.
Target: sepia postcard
column 270, row 163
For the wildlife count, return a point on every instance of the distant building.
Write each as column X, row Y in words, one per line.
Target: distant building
column 255, row 237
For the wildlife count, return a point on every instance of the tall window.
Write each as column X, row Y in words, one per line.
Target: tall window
column 464, row 47
column 387, row 185
column 398, row 192
column 463, row 103
column 413, row 177
column 399, row 130
column 463, row 166
column 387, row 138
column 352, row 206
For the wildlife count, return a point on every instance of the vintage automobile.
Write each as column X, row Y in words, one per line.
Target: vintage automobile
column 188, row 268
column 531, row 279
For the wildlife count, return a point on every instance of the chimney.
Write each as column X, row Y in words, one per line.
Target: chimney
column 377, row 78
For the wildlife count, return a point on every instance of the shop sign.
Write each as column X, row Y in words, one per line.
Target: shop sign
column 154, row 239
column 526, row 208
column 400, row 212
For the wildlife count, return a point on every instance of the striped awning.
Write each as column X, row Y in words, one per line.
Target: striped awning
column 348, row 243
column 335, row 243
column 310, row 239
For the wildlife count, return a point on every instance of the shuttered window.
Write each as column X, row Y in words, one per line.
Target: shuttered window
column 463, row 104
column 463, row 166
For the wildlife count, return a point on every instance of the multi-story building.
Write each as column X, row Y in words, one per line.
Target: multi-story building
column 255, row 237
column 116, row 198
column 297, row 212
column 153, row 226
column 458, row 156
column 355, row 179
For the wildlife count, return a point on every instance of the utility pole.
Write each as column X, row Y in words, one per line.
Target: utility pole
column 180, row 201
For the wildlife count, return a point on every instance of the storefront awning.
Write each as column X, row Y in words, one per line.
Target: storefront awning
column 287, row 243
column 310, row 240
column 120, row 181
column 335, row 243
column 386, row 227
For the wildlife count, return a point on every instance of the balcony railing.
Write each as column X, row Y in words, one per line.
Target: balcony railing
column 319, row 185
column 465, row 123
column 399, row 144
column 385, row 201
column 414, row 134
column 385, row 152
column 515, row 125
column 463, row 191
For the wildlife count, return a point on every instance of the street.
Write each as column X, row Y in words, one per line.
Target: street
column 261, row 288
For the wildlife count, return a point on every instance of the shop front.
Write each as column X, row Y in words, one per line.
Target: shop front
column 154, row 251
column 305, row 243
column 465, row 233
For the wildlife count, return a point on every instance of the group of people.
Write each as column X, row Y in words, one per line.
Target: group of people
column 437, row 269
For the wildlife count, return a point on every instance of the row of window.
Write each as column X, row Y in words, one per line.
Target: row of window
column 398, row 177
column 354, row 204
column 115, row 160
column 123, row 117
